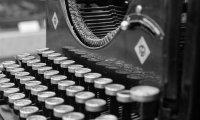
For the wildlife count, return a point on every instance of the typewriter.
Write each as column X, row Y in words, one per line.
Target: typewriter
column 109, row 60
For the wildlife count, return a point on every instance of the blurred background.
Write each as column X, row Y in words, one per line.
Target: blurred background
column 22, row 27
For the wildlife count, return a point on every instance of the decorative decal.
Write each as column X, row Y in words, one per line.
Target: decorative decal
column 55, row 20
column 142, row 50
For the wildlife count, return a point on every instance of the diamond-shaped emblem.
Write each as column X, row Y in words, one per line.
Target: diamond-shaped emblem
column 142, row 50
column 55, row 20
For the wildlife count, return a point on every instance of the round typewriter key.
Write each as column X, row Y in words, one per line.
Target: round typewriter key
column 70, row 93
column 51, row 57
column 9, row 68
column 64, row 66
column 74, row 116
column 36, row 117
column 4, row 80
column 4, row 86
column 18, row 104
column 41, row 71
column 127, row 109
column 25, row 59
column 20, row 56
column 72, row 53
column 50, row 103
column 13, row 71
column 94, row 108
column 89, row 80
column 79, row 75
column 121, row 74
column 107, row 117
column 30, row 63
column 54, row 81
column 101, row 67
column 39, row 52
column 148, row 99
column 77, row 55
column 57, row 62
column 35, row 68
column 62, row 85
column 25, row 112
column 133, row 80
column 9, row 91
column 45, row 54
column 99, row 85
column 13, row 97
column 7, row 63
column 60, row 110
column 28, row 86
column 2, row 75
column 42, row 96
column 23, row 80
column 111, row 91
column 84, row 58
column 35, row 90
column 47, row 77
column 81, row 98
column 71, row 70
column 110, row 72
column 18, row 75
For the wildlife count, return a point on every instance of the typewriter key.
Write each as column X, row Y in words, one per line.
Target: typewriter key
column 18, row 104
column 107, row 117
column 20, row 56
column 70, row 94
column 127, row 108
column 121, row 75
column 77, row 55
column 64, row 66
column 110, row 72
column 7, row 63
column 23, row 80
column 47, row 77
column 35, row 68
column 74, row 116
column 36, row 117
column 39, row 52
column 54, row 81
column 26, row 111
column 57, row 62
column 79, row 75
column 35, row 90
column 40, row 73
column 81, row 98
column 45, row 54
column 8, row 91
column 24, row 61
column 62, row 85
column 28, row 86
column 148, row 99
column 50, row 103
column 2, row 75
column 9, row 68
column 60, row 110
column 18, row 75
column 91, row 63
column 84, row 58
column 30, row 63
column 111, row 91
column 4, row 86
column 133, row 80
column 99, row 85
column 89, row 80
column 4, row 80
column 101, row 67
column 51, row 57
column 71, row 70
column 94, row 108
column 13, row 97
column 42, row 96
column 72, row 53
column 13, row 71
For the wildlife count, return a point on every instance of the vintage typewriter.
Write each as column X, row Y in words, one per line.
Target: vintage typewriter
column 109, row 60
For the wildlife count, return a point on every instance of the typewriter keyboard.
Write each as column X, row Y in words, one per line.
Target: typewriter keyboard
column 78, row 85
